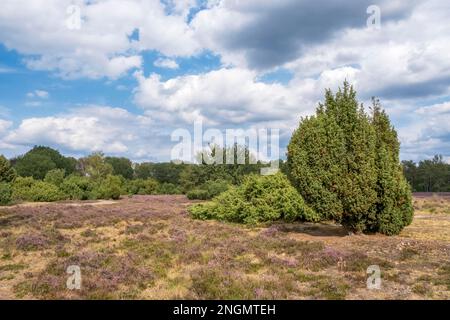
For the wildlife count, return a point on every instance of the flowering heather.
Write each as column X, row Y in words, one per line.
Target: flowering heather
column 147, row 247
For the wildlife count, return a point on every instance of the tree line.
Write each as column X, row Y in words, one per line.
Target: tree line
column 431, row 175
column 44, row 174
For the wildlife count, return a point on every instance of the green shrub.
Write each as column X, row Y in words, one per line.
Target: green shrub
column 214, row 188
column 5, row 193
column 257, row 199
column 209, row 190
column 55, row 177
column 198, row 194
column 28, row 189
column 142, row 186
column 45, row 192
column 7, row 173
column 21, row 189
column 346, row 165
column 77, row 187
column 168, row 188
column 109, row 188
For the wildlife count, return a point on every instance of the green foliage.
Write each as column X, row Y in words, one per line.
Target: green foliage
column 5, row 194
column 7, row 173
column 55, row 177
column 431, row 175
column 214, row 188
column 121, row 167
column 345, row 164
column 198, row 194
column 45, row 192
column 28, row 189
column 242, row 164
column 40, row 160
column 109, row 188
column 21, row 188
column 77, row 188
column 142, row 187
column 257, row 199
column 208, row 190
column 34, row 165
column 162, row 172
column 168, row 188
column 95, row 166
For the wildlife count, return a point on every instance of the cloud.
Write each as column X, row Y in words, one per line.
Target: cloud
column 233, row 98
column 220, row 97
column 4, row 125
column 166, row 63
column 6, row 70
column 427, row 133
column 402, row 60
column 101, row 46
column 88, row 129
column 38, row 94
column 267, row 34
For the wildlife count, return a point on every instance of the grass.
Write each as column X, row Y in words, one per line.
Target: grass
column 147, row 247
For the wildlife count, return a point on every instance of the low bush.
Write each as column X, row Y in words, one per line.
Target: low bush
column 77, row 188
column 45, row 192
column 216, row 187
column 142, row 186
column 209, row 190
column 109, row 188
column 21, row 189
column 28, row 189
column 198, row 194
column 5, row 194
column 55, row 177
column 168, row 188
column 257, row 199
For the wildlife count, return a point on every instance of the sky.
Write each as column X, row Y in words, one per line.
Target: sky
column 119, row 76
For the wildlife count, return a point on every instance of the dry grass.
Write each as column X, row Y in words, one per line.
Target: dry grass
column 147, row 247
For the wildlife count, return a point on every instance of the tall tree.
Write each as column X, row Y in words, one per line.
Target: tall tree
column 40, row 160
column 121, row 167
column 95, row 166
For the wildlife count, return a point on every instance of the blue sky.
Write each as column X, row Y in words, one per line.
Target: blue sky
column 132, row 71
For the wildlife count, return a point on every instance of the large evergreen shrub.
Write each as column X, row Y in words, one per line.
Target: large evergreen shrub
column 345, row 163
column 257, row 199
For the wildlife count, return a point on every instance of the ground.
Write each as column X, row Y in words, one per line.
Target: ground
column 147, row 247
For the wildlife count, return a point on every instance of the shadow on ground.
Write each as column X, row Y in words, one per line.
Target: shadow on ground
column 325, row 229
